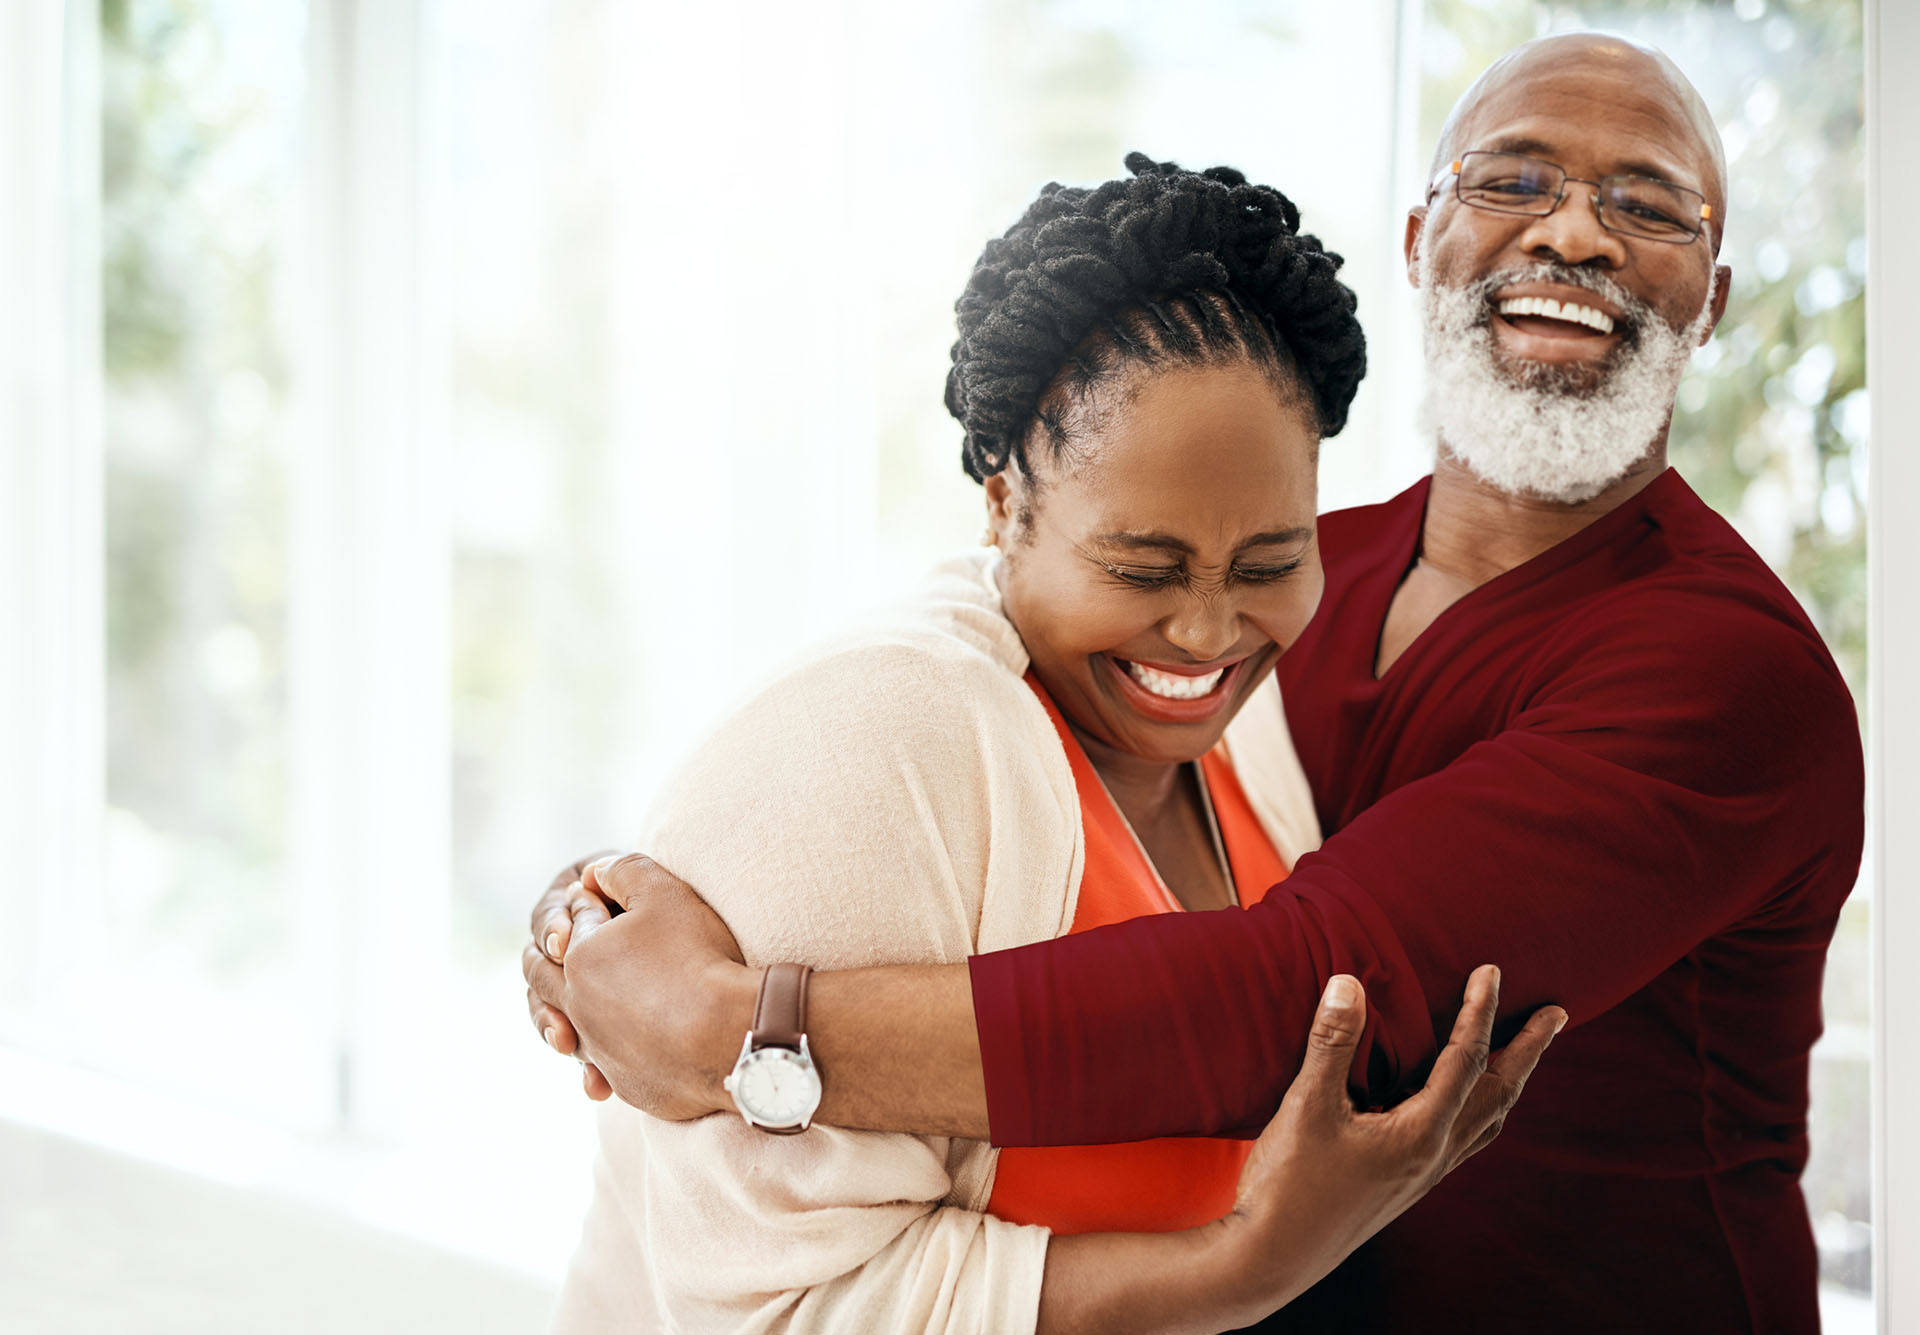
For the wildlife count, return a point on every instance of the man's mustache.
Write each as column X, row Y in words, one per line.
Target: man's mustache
column 1633, row 311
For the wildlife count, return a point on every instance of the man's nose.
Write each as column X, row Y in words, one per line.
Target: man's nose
column 1572, row 233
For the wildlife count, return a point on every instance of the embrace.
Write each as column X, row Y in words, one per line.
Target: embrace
column 1099, row 942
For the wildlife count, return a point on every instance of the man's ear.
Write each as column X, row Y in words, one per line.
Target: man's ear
column 1722, row 285
column 1416, row 224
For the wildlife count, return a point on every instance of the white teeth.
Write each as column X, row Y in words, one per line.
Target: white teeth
column 1553, row 310
column 1172, row 687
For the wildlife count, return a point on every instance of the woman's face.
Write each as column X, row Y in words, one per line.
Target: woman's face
column 1170, row 555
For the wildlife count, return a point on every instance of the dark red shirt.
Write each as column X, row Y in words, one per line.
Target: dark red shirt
column 1628, row 773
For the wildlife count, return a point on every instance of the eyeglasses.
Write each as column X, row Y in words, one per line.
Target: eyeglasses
column 1639, row 206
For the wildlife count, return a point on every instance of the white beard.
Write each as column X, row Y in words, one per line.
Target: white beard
column 1535, row 429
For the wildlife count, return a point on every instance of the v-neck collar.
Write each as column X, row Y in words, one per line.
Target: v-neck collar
column 1213, row 831
column 1567, row 552
column 1079, row 760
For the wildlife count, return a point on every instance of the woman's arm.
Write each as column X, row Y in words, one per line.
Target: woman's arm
column 885, row 802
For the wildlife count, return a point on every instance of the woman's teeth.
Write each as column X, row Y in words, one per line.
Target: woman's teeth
column 1171, row 687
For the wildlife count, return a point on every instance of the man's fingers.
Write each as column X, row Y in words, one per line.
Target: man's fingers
column 570, row 873
column 577, row 913
column 1337, row 1026
column 554, row 1027
column 567, row 874
column 549, row 923
column 546, row 980
column 585, row 912
column 550, row 909
column 1459, row 1067
column 621, row 878
column 546, row 996
column 597, row 1087
column 555, row 933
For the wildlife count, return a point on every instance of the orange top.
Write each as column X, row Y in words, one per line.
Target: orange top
column 1151, row 1186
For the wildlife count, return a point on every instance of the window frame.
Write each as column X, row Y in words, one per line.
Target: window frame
column 52, row 551
column 369, row 737
column 1893, row 648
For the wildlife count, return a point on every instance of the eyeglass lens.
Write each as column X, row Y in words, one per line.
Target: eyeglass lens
column 1638, row 205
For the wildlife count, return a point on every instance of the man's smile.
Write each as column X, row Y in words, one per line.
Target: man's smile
column 1549, row 313
column 1551, row 322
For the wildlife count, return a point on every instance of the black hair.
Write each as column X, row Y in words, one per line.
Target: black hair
column 1165, row 266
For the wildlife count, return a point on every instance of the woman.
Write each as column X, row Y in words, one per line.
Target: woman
column 1039, row 744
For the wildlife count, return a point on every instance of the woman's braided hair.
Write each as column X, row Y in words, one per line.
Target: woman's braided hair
column 1165, row 266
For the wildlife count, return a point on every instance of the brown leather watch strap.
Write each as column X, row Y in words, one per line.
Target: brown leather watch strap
column 780, row 1014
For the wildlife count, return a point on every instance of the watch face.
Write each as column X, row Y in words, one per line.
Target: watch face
column 776, row 1087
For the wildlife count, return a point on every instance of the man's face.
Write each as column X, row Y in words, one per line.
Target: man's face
column 1554, row 406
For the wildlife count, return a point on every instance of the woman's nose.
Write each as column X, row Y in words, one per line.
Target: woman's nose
column 1205, row 628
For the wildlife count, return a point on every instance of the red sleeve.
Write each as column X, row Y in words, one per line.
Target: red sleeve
column 1648, row 796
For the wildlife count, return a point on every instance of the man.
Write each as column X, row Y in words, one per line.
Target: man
column 1556, row 716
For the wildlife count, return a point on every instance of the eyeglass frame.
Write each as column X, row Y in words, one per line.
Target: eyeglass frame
column 1599, row 191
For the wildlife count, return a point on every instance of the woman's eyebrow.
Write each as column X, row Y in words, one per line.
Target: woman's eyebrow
column 1167, row 543
column 1284, row 537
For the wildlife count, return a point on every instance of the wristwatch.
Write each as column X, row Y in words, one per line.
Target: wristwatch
column 775, row 1084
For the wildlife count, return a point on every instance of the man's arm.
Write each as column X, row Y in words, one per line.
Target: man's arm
column 1650, row 797
column 1583, row 859
column 900, row 1044
column 1322, row 1178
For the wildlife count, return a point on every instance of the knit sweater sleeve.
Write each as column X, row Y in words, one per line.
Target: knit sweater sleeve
column 888, row 802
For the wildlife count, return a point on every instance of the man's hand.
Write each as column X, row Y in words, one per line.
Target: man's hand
column 651, row 996
column 552, row 928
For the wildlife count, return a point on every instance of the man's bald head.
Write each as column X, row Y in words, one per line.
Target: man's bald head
column 1644, row 67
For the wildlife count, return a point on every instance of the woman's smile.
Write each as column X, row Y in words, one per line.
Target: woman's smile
column 1176, row 692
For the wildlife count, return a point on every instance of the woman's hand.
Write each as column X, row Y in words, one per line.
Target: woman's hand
column 566, row 903
column 1323, row 1177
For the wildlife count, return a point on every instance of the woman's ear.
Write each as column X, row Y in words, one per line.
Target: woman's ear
column 1003, row 508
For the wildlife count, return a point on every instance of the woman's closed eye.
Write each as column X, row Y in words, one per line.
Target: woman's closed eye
column 1269, row 573
column 1165, row 577
column 1147, row 577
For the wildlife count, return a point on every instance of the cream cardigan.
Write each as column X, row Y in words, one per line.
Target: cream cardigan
column 898, row 796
